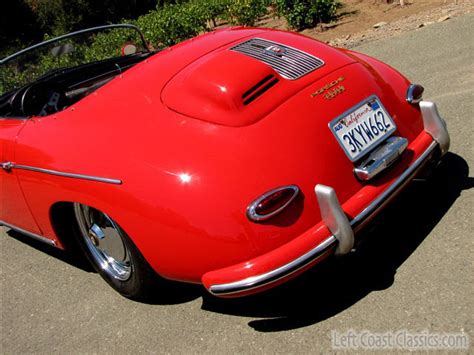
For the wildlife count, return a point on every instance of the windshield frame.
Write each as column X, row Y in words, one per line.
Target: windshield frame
column 72, row 34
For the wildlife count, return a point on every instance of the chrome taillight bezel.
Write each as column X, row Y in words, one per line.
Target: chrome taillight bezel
column 256, row 217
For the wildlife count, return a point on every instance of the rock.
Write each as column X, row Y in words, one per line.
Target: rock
column 380, row 24
column 421, row 25
column 428, row 23
column 444, row 18
column 347, row 37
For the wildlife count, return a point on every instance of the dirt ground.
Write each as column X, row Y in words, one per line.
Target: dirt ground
column 356, row 19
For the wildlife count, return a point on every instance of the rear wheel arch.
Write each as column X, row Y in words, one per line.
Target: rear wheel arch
column 142, row 279
column 64, row 223
column 61, row 216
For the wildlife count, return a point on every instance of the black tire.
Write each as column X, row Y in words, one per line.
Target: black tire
column 122, row 266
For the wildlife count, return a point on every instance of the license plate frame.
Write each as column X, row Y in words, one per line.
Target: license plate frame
column 371, row 118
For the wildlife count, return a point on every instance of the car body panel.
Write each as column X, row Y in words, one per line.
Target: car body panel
column 188, row 173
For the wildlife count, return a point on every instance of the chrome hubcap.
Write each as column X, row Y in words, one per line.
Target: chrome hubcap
column 105, row 241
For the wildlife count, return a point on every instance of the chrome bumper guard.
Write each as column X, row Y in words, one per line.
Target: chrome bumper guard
column 434, row 125
column 336, row 220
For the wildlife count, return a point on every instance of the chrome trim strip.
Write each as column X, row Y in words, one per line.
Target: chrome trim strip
column 392, row 188
column 255, row 217
column 68, row 175
column 276, row 274
column 29, row 234
column 334, row 218
column 92, row 29
column 6, row 165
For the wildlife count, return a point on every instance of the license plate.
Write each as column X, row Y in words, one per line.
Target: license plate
column 362, row 128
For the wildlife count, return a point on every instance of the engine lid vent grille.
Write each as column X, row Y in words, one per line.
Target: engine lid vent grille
column 289, row 62
column 259, row 88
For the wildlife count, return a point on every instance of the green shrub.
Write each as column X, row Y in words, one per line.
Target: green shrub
column 301, row 14
column 211, row 10
column 108, row 44
column 245, row 12
column 172, row 24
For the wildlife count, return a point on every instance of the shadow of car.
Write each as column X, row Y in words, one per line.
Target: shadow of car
column 339, row 283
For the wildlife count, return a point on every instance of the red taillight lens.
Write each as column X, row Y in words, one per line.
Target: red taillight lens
column 271, row 203
column 415, row 93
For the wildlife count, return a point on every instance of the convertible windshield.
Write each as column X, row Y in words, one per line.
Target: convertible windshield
column 71, row 50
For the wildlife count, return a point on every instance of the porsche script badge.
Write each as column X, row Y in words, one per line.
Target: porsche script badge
column 331, row 90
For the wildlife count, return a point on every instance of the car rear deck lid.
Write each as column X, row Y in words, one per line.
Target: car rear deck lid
column 223, row 87
column 236, row 86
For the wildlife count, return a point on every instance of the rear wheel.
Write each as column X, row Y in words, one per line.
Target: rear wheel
column 112, row 254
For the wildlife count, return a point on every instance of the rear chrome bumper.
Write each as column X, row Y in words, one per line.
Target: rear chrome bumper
column 277, row 274
column 333, row 216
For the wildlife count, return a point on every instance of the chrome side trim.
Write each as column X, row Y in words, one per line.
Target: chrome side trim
column 392, row 188
column 255, row 217
column 334, row 218
column 68, row 175
column 276, row 274
column 435, row 126
column 29, row 234
column 6, row 165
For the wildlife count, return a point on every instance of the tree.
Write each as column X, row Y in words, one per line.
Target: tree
column 18, row 27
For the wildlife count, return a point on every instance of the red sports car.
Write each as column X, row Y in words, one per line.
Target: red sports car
column 236, row 159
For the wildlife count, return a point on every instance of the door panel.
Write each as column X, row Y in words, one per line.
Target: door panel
column 13, row 206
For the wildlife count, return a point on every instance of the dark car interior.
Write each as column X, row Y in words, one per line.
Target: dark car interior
column 61, row 88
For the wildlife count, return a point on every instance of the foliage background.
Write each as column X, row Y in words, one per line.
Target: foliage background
column 164, row 22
